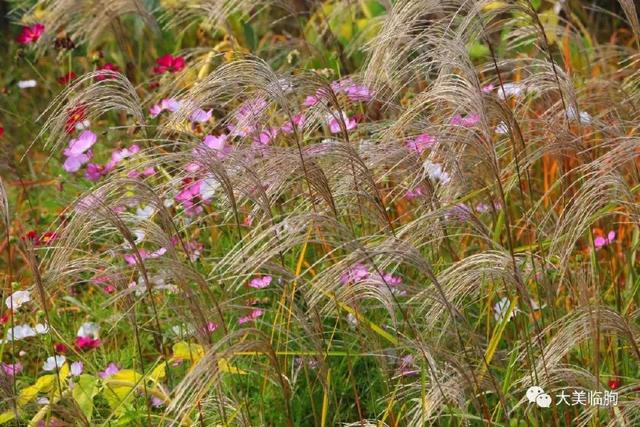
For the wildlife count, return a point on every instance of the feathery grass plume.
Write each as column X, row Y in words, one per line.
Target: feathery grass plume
column 87, row 21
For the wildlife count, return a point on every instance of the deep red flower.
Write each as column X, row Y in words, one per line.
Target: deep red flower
column 614, row 383
column 87, row 343
column 1, row 131
column 60, row 348
column 169, row 63
column 5, row 318
column 30, row 34
column 75, row 116
column 32, row 236
column 106, row 67
column 67, row 78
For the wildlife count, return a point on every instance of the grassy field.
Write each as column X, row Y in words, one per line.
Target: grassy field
column 319, row 213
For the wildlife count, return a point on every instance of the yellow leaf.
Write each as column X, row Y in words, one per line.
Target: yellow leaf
column 159, row 372
column 5, row 417
column 493, row 5
column 225, row 366
column 187, row 351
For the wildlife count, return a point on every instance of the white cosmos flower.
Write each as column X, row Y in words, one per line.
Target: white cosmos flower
column 510, row 89
column 435, row 172
column 89, row 329
column 54, row 361
column 83, row 125
column 145, row 212
column 18, row 298
column 25, row 84
column 77, row 368
column 208, row 188
column 583, row 117
column 41, row 329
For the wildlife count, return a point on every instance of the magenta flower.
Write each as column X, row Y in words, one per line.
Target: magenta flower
column 111, row 369
column 211, row 327
column 298, row 121
column 200, row 116
column 468, row 121
column 488, row 88
column 94, row 172
column 414, row 194
column 170, row 104
column 601, row 241
column 260, row 282
column 421, row 143
column 391, row 280
column 334, row 123
column 30, row 34
column 265, row 137
column 87, row 343
column 118, row 155
column 252, row 316
column 108, row 67
column 169, row 63
column 355, row 274
column 144, row 254
column 11, row 369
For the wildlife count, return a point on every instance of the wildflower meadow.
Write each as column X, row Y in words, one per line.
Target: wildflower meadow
column 320, row 213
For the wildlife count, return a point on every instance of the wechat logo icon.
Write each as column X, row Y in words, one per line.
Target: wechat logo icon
column 537, row 395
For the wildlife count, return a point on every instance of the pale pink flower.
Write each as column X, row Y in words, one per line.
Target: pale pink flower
column 12, row 369
column 200, row 116
column 111, row 369
column 355, row 274
column 252, row 316
column 74, row 163
column 468, row 121
column 334, row 123
column 260, row 282
column 265, row 137
column 421, row 143
column 296, row 121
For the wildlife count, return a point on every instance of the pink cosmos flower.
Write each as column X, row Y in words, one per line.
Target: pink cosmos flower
column 421, row 143
column 144, row 254
column 252, row 316
column 200, row 116
column 298, row 121
column 119, row 155
column 108, row 67
column 246, row 117
column 407, row 367
column 355, row 274
column 144, row 173
column 170, row 104
column 260, row 282
column 468, row 121
column 265, row 137
column 11, row 369
column 414, row 194
column 357, row 93
column 391, row 280
column 601, row 241
column 30, row 34
column 81, row 144
column 488, row 88
column 74, row 163
column 211, row 327
column 169, row 63
column 111, row 369
column 94, row 172
column 334, row 123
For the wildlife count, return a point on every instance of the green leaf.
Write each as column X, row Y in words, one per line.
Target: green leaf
column 84, row 390
column 478, row 50
column 250, row 36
